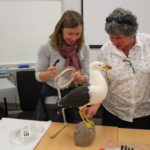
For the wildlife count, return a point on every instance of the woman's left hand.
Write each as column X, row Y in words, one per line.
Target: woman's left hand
column 79, row 78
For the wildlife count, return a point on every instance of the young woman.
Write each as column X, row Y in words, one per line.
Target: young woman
column 66, row 43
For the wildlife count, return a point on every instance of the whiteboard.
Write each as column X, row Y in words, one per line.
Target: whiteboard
column 96, row 11
column 24, row 26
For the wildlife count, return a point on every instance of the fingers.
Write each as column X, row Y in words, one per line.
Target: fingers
column 77, row 77
column 91, row 111
column 52, row 71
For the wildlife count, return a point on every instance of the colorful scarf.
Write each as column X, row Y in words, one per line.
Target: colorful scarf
column 70, row 52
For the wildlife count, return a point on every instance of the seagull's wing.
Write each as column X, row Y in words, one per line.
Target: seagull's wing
column 76, row 98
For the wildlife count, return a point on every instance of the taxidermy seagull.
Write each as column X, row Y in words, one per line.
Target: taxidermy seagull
column 93, row 93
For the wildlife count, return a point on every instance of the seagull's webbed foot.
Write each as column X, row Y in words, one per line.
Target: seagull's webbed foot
column 88, row 123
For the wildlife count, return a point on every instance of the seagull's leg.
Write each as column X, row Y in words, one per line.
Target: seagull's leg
column 87, row 119
column 87, row 124
column 81, row 115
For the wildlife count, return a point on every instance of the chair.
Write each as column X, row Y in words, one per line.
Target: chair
column 7, row 89
column 28, row 90
column 2, row 112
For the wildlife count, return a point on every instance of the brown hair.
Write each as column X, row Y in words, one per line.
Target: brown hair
column 70, row 19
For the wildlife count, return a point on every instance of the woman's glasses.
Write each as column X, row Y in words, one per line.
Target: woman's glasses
column 130, row 64
column 119, row 20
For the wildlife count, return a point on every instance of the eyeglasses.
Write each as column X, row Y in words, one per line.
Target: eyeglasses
column 130, row 64
column 119, row 20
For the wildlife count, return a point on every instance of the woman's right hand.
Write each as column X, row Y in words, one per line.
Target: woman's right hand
column 52, row 71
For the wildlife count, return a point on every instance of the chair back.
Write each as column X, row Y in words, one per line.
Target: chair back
column 28, row 89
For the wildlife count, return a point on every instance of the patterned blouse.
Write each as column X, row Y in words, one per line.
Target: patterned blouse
column 128, row 80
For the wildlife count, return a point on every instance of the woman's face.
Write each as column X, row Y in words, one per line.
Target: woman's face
column 122, row 42
column 71, row 35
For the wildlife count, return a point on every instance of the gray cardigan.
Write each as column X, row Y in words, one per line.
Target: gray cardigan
column 47, row 55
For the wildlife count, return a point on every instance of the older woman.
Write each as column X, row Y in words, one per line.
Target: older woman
column 128, row 52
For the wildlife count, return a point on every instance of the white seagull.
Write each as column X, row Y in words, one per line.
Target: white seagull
column 93, row 93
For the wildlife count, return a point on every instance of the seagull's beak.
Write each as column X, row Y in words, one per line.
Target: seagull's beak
column 107, row 67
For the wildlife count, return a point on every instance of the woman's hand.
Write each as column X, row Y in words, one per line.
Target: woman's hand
column 52, row 71
column 91, row 111
column 79, row 78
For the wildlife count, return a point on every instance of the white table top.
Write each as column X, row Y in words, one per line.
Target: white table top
column 7, row 88
column 9, row 128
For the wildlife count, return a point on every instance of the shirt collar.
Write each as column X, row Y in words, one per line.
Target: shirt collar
column 138, row 42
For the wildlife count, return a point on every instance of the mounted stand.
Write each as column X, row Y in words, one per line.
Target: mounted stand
column 62, row 109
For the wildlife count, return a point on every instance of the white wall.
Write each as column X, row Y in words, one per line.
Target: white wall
column 25, row 25
column 71, row 4
column 96, row 11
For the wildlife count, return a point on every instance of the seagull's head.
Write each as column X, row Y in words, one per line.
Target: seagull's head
column 98, row 64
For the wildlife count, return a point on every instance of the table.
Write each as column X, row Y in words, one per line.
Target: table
column 134, row 136
column 7, row 89
column 8, row 128
column 65, row 140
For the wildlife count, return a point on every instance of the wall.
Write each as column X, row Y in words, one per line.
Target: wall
column 96, row 11
column 25, row 25
column 71, row 4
